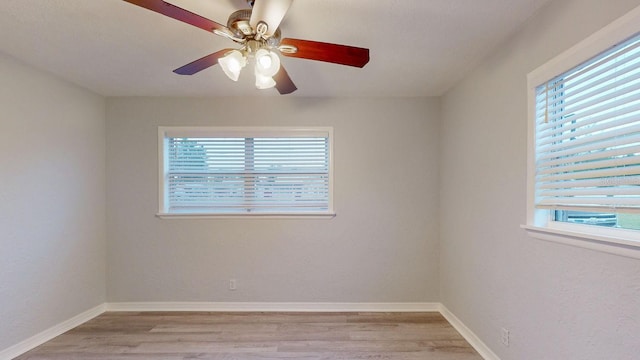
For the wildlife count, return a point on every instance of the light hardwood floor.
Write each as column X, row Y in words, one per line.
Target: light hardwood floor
column 259, row 336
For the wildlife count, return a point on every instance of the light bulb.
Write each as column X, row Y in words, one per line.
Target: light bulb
column 232, row 63
column 267, row 62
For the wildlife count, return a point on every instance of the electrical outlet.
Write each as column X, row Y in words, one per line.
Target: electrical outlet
column 232, row 284
column 505, row 337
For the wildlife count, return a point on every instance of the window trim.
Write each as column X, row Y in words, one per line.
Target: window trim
column 539, row 223
column 165, row 131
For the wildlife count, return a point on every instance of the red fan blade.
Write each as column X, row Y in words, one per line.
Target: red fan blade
column 333, row 53
column 178, row 13
column 202, row 63
column 284, row 84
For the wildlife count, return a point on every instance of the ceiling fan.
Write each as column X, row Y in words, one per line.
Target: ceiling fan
column 257, row 31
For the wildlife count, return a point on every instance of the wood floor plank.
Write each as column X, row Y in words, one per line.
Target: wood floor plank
column 259, row 336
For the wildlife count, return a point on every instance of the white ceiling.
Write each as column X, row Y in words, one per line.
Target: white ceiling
column 418, row 47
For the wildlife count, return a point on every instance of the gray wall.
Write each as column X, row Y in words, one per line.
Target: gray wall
column 52, row 201
column 458, row 170
column 559, row 302
column 381, row 247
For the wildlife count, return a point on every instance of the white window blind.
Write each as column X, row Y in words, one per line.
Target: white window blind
column 588, row 135
column 247, row 172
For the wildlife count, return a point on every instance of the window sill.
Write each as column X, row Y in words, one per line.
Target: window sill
column 608, row 244
column 173, row 216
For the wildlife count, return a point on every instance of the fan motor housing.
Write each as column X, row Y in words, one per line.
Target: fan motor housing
column 239, row 24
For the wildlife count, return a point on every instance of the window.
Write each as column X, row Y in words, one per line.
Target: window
column 245, row 171
column 588, row 139
column 585, row 138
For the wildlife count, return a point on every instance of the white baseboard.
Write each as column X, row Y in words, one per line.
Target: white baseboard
column 41, row 338
column 267, row 306
column 67, row 325
column 476, row 343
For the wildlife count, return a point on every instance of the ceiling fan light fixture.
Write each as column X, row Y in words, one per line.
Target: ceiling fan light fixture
column 257, row 30
column 267, row 63
column 232, row 63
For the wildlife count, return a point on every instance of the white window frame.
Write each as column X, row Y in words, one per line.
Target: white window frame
column 540, row 224
column 164, row 132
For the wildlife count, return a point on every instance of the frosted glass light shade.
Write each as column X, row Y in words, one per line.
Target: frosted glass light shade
column 232, row 63
column 264, row 82
column 267, row 62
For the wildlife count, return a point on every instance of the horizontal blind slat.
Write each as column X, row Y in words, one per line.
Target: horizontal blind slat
column 590, row 156
column 598, row 191
column 620, row 117
column 603, row 200
column 592, row 208
column 610, row 181
column 597, row 94
column 603, row 107
column 605, row 141
column 590, row 174
column 603, row 163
